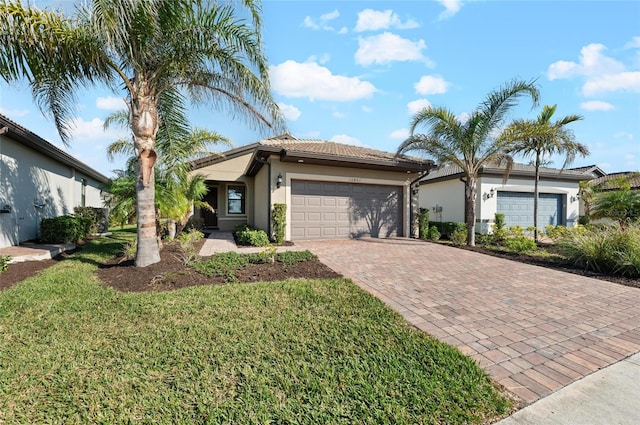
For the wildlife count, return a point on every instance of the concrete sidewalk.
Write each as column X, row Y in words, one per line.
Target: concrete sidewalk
column 219, row 241
column 34, row 252
column 609, row 396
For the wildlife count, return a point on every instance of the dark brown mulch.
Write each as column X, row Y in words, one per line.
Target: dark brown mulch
column 170, row 273
column 557, row 264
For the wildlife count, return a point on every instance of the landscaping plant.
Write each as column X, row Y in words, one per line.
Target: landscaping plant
column 4, row 262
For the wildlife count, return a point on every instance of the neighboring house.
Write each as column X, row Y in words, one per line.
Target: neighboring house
column 38, row 180
column 442, row 192
column 610, row 182
column 331, row 190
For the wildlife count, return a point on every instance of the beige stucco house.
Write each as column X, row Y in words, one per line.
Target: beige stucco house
column 331, row 190
column 38, row 180
column 442, row 192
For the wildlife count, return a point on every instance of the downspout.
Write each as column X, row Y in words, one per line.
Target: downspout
column 264, row 161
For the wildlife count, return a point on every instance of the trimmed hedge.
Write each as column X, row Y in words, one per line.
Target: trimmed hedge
column 447, row 228
column 64, row 229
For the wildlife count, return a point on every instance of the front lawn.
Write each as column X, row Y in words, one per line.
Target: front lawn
column 74, row 350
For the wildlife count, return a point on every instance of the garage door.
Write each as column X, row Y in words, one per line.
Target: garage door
column 327, row 210
column 517, row 208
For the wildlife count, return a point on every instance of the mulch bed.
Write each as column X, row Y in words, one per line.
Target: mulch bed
column 170, row 273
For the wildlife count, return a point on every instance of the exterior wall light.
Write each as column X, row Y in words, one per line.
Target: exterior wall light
column 575, row 198
column 279, row 180
column 489, row 194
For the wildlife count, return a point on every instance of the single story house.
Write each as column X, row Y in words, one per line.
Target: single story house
column 442, row 192
column 38, row 180
column 331, row 190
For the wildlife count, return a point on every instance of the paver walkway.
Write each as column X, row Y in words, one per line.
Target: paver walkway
column 533, row 329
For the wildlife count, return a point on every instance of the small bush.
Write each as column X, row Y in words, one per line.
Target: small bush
column 94, row 215
column 557, row 232
column 446, row 228
column 129, row 250
column 245, row 235
column 64, row 229
column 520, row 244
column 4, row 262
column 584, row 220
column 196, row 223
column 279, row 222
column 289, row 258
column 459, row 237
column 423, row 223
column 433, row 234
column 499, row 230
column 267, row 255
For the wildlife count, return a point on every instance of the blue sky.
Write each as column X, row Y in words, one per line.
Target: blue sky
column 356, row 71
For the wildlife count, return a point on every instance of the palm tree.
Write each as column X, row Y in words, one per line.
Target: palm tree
column 162, row 54
column 469, row 144
column 541, row 138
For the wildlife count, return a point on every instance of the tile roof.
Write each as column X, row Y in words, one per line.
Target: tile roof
column 334, row 149
column 518, row 169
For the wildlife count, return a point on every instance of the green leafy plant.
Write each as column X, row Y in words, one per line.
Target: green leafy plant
column 289, row 258
column 279, row 222
column 433, row 234
column 423, row 223
column 459, row 236
column 520, row 244
column 92, row 214
column 499, row 230
column 64, row 229
column 245, row 235
column 186, row 242
column 223, row 265
column 446, row 228
column 4, row 262
column 556, row 232
column 129, row 250
column 267, row 255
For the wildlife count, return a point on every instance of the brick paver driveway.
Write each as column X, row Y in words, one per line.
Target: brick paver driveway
column 533, row 329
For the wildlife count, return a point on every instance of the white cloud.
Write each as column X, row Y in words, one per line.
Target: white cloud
column 596, row 105
column 602, row 74
column 417, row 105
column 14, row 113
column 367, row 109
column 343, row 30
column 321, row 22
column 346, row 139
column 624, row 135
column 633, row 44
column 337, row 114
column 310, row 80
column 624, row 81
column 451, row 7
column 110, row 103
column 373, row 20
column 93, row 130
column 290, row 112
column 429, row 84
column 400, row 134
column 322, row 59
column 387, row 47
column 463, row 117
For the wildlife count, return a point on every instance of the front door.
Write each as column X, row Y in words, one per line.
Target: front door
column 211, row 217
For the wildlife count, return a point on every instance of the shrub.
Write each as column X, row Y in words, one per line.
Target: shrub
column 267, row 255
column 292, row 257
column 584, row 220
column 459, row 236
column 499, row 231
column 196, row 223
column 606, row 249
column 94, row 215
column 557, row 232
column 279, row 222
column 433, row 234
column 4, row 262
column 186, row 241
column 129, row 250
column 446, row 228
column 520, row 244
column 423, row 223
column 245, row 235
column 64, row 229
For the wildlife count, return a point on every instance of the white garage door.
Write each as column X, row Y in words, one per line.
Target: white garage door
column 517, row 208
column 328, row 210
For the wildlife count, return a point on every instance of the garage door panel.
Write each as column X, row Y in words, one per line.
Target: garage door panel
column 518, row 208
column 345, row 210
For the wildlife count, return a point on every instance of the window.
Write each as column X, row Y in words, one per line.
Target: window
column 235, row 199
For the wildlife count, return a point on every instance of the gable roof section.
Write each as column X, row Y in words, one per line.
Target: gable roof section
column 27, row 138
column 451, row 172
column 319, row 152
column 594, row 169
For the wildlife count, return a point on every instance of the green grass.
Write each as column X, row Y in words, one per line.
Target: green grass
column 300, row 351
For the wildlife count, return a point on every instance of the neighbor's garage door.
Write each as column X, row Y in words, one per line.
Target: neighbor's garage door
column 517, row 208
column 327, row 210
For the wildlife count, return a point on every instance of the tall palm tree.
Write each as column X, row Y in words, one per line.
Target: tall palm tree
column 161, row 54
column 469, row 144
column 541, row 138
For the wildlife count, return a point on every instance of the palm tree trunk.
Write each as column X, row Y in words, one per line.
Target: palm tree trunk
column 535, row 198
column 470, row 193
column 144, row 121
